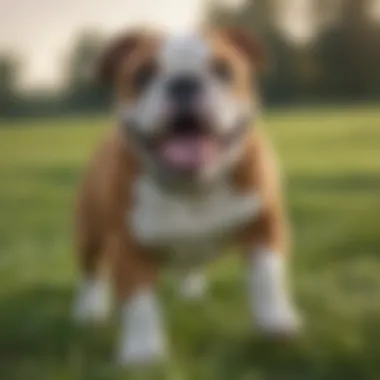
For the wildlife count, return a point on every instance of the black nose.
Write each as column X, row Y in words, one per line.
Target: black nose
column 183, row 89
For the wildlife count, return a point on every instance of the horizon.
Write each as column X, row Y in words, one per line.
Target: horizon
column 41, row 53
column 50, row 28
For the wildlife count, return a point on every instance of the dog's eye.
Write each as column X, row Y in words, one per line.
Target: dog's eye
column 222, row 70
column 144, row 75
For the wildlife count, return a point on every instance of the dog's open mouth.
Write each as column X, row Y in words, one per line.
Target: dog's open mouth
column 188, row 144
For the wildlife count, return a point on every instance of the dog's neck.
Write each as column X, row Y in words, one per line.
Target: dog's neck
column 189, row 190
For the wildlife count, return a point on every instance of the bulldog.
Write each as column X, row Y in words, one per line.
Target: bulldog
column 186, row 174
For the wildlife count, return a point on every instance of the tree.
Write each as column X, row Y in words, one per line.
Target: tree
column 82, row 93
column 349, row 52
column 9, row 94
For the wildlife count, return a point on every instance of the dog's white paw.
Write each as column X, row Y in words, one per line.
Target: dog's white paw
column 92, row 302
column 193, row 286
column 141, row 349
column 142, row 339
column 279, row 321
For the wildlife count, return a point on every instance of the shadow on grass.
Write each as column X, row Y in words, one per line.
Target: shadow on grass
column 309, row 357
column 38, row 342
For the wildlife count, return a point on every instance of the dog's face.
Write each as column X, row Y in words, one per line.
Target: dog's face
column 185, row 100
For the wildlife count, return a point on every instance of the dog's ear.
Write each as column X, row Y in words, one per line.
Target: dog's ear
column 111, row 58
column 248, row 45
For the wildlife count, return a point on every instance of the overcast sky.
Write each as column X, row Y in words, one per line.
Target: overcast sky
column 43, row 31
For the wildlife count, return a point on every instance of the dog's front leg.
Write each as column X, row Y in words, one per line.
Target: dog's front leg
column 142, row 339
column 270, row 300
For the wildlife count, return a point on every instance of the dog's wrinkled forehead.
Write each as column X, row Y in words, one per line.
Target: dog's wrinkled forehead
column 185, row 53
column 191, row 51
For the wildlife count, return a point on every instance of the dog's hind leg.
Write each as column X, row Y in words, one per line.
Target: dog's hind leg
column 193, row 285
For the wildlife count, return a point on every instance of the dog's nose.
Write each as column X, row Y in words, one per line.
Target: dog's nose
column 184, row 89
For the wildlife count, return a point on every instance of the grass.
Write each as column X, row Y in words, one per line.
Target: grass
column 332, row 163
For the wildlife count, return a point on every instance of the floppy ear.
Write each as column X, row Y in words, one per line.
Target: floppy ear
column 248, row 45
column 111, row 58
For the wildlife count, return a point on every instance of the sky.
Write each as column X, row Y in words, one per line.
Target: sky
column 41, row 32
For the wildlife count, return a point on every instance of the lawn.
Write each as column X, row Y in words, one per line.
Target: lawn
column 331, row 160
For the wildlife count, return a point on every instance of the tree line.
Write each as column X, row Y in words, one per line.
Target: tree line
column 340, row 62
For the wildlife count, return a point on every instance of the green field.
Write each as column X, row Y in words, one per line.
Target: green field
column 331, row 159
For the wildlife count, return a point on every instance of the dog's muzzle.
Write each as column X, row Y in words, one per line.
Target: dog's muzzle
column 187, row 142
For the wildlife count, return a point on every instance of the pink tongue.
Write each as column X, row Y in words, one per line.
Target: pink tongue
column 188, row 152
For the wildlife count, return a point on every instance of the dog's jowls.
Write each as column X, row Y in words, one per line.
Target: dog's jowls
column 185, row 174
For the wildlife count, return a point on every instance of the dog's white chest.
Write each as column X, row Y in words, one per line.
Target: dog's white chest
column 189, row 226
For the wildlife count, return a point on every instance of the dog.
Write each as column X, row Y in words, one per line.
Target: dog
column 186, row 173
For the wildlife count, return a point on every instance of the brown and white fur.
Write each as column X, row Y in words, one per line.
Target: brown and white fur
column 136, row 214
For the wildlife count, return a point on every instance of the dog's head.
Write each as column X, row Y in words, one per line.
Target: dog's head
column 186, row 100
